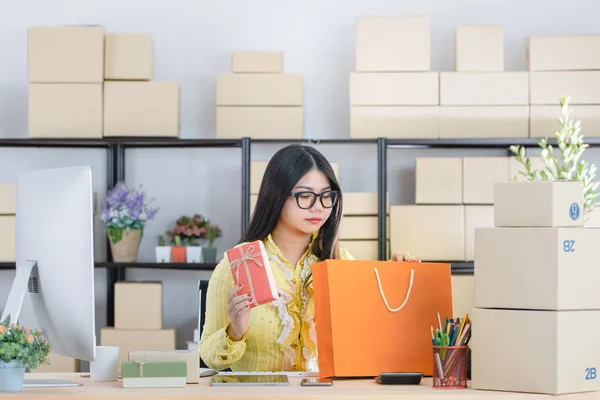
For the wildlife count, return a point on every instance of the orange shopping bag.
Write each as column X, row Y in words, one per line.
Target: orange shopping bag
column 376, row 316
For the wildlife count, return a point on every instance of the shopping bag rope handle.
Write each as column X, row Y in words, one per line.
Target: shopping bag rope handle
column 381, row 292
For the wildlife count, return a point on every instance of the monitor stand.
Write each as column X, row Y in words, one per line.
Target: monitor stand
column 14, row 303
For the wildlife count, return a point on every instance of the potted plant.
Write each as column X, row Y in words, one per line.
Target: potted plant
column 209, row 253
column 568, row 165
column 177, row 250
column 19, row 349
column 190, row 230
column 163, row 252
column 125, row 212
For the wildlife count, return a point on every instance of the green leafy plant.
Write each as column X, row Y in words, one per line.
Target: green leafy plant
column 567, row 165
column 213, row 232
column 161, row 241
column 31, row 349
column 177, row 241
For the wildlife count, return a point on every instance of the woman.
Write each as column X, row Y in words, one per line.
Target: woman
column 297, row 216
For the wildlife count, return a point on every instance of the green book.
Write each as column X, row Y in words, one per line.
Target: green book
column 154, row 369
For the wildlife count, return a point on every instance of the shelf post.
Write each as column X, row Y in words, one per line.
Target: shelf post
column 246, row 145
column 382, row 197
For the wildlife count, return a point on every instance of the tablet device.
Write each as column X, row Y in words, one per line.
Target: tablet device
column 249, row 380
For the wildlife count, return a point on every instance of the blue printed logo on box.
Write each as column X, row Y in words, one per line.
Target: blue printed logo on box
column 574, row 211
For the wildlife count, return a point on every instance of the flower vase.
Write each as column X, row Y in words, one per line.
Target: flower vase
column 193, row 254
column 124, row 245
column 178, row 254
column 163, row 254
column 209, row 255
column 12, row 375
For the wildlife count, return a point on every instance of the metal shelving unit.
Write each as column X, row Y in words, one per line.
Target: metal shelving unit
column 116, row 155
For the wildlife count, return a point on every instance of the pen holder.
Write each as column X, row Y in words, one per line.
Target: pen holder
column 450, row 367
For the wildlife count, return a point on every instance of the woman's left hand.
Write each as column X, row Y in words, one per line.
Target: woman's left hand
column 404, row 256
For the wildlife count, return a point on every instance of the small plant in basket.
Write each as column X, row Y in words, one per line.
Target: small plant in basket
column 125, row 213
column 20, row 348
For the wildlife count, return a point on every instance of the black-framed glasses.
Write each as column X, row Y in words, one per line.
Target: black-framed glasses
column 307, row 199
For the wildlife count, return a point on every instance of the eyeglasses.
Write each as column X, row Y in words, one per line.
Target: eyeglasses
column 307, row 199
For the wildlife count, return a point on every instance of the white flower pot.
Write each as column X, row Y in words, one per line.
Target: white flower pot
column 193, row 254
column 163, row 254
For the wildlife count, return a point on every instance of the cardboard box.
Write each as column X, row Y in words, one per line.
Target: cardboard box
column 479, row 176
column 592, row 218
column 513, row 273
column 359, row 228
column 8, row 198
column 563, row 53
column 65, row 110
column 260, row 122
column 439, row 180
column 364, row 249
column 546, row 88
column 137, row 339
column 58, row 364
column 139, row 305
column 415, row 228
column 395, row 89
column 362, row 203
column 484, row 88
column 129, row 56
column 561, row 360
column 399, row 122
column 8, row 229
column 494, row 122
column 141, row 109
column 192, row 359
column 253, row 200
column 257, row 170
column 66, row 54
column 463, row 293
column 538, row 204
column 259, row 89
column 392, row 44
column 544, row 120
column 476, row 217
column 257, row 61
column 515, row 167
column 479, row 49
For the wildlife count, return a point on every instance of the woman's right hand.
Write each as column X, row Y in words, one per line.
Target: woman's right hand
column 238, row 308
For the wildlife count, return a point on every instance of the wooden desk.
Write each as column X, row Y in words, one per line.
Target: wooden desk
column 343, row 389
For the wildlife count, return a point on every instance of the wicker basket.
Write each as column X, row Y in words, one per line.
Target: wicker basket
column 126, row 249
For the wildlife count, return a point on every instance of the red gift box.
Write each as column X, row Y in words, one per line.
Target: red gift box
column 250, row 267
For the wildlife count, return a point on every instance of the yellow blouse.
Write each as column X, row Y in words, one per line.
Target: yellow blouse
column 281, row 335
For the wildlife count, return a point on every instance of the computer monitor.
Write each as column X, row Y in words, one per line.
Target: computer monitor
column 53, row 290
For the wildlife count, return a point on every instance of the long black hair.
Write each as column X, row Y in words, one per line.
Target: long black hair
column 282, row 174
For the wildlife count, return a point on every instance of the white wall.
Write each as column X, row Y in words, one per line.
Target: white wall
column 193, row 41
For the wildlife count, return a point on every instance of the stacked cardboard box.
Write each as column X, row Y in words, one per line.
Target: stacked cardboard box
column 359, row 228
column 537, row 305
column 480, row 99
column 393, row 93
column 258, row 100
column 85, row 83
column 134, row 104
column 257, row 171
column 66, row 71
column 138, row 320
column 7, row 222
column 454, row 196
column 564, row 66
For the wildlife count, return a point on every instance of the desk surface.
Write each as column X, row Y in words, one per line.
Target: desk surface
column 362, row 389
